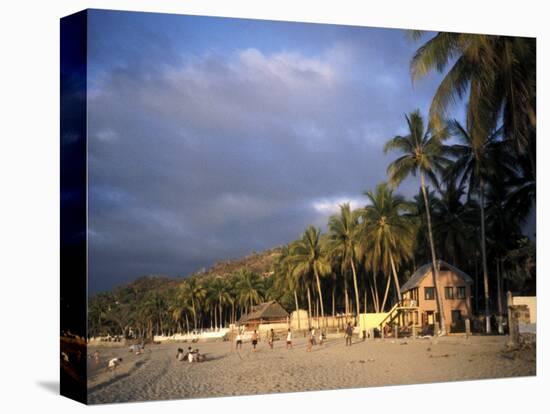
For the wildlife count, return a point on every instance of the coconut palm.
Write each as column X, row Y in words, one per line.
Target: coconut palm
column 455, row 222
column 388, row 232
column 309, row 258
column 249, row 289
column 285, row 278
column 193, row 290
column 495, row 74
column 343, row 242
column 217, row 297
column 179, row 310
column 423, row 154
column 477, row 162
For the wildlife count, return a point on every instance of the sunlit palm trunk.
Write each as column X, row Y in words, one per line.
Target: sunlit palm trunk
column 395, row 279
column 375, row 297
column 320, row 296
column 355, row 287
column 346, row 297
column 484, row 257
column 297, row 309
column 194, row 313
column 435, row 271
column 388, row 282
column 308, row 307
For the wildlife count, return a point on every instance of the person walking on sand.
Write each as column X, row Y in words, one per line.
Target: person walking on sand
column 310, row 340
column 271, row 336
column 289, row 339
column 321, row 338
column 239, row 341
column 348, row 334
column 254, row 340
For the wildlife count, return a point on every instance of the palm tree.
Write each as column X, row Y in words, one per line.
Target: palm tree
column 477, row 162
column 343, row 241
column 388, row 232
column 285, row 278
column 422, row 153
column 179, row 310
column 193, row 290
column 309, row 258
column 497, row 75
column 249, row 289
column 454, row 223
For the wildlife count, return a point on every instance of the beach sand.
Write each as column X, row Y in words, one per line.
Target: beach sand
column 156, row 374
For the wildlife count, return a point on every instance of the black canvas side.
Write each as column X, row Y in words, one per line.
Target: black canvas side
column 73, row 42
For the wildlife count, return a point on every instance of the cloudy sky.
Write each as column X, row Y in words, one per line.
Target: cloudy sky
column 210, row 138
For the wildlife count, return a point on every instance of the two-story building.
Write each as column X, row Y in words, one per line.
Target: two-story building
column 455, row 289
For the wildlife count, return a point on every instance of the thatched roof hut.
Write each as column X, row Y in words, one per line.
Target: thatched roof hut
column 267, row 312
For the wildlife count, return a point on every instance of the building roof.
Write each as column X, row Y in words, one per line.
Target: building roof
column 266, row 310
column 423, row 271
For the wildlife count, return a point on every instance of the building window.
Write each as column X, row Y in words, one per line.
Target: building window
column 449, row 292
column 429, row 293
column 461, row 292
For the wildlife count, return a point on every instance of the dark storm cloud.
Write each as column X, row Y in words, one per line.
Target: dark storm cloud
column 210, row 156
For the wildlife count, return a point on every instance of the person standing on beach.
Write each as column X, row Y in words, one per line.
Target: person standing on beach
column 348, row 334
column 289, row 339
column 310, row 339
column 239, row 341
column 254, row 341
column 271, row 338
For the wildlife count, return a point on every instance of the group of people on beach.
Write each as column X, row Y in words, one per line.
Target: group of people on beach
column 313, row 338
column 192, row 355
column 255, row 337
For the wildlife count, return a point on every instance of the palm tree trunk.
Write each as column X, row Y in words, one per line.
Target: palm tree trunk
column 374, row 301
column 194, row 313
column 297, row 309
column 376, row 297
column 385, row 294
column 215, row 312
column 321, row 296
column 186, row 322
column 161, row 325
column 346, row 296
column 395, row 279
column 333, row 300
column 317, row 312
column 355, row 286
column 499, row 299
column 476, row 287
column 308, row 307
column 484, row 257
column 435, row 272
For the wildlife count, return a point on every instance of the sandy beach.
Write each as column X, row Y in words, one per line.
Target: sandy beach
column 156, row 374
